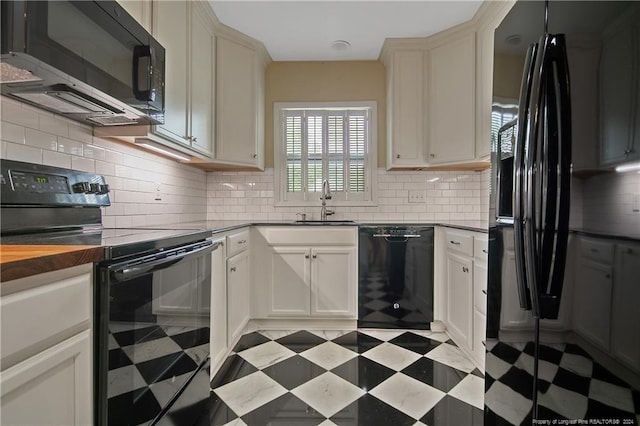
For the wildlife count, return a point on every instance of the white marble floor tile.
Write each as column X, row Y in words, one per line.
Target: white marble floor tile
column 392, row 356
column 328, row 355
column 419, row 424
column 408, row 395
column 266, row 354
column 330, row 334
column 236, row 422
column 164, row 390
column 451, row 356
column 152, row 349
column 433, row 335
column 470, row 390
column 507, row 403
column 567, row 403
column 546, row 370
column 327, row 423
column 612, row 395
column 250, row 392
column 172, row 330
column 384, row 335
column 124, row 379
column 496, row 365
column 276, row 334
column 112, row 342
column 577, row 364
column 328, row 393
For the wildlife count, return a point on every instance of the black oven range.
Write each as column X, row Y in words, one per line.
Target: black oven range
column 151, row 294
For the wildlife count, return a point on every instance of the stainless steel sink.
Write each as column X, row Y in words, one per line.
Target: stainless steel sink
column 325, row 222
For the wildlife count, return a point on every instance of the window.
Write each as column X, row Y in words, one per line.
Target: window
column 315, row 142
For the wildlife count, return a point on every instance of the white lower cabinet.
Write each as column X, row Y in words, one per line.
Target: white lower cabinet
column 218, row 329
column 625, row 327
column 237, row 294
column 46, row 373
column 305, row 272
column 592, row 316
column 463, row 270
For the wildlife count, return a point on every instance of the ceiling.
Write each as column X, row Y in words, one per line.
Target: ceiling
column 304, row 30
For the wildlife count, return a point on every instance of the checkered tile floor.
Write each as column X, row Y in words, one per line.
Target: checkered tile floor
column 572, row 386
column 147, row 365
column 385, row 304
column 364, row 377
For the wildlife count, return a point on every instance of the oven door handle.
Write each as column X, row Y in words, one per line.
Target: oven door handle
column 128, row 271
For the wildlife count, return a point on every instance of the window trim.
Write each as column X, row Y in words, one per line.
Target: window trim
column 279, row 153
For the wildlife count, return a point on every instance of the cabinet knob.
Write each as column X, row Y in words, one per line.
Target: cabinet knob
column 628, row 151
column 432, row 155
column 485, row 251
column 315, row 256
column 194, row 139
column 186, row 137
column 242, row 241
column 457, row 243
column 484, row 292
column 465, row 269
column 254, row 155
column 306, row 256
column 233, row 269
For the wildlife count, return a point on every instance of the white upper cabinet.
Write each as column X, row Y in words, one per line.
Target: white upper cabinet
column 405, row 109
column 451, row 100
column 140, row 10
column 620, row 92
column 240, row 110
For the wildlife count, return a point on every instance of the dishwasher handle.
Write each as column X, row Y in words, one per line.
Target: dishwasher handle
column 397, row 235
column 132, row 269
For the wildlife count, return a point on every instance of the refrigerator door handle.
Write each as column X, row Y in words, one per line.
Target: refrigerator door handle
column 522, row 141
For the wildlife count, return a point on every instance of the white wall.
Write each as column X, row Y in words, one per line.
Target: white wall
column 36, row 136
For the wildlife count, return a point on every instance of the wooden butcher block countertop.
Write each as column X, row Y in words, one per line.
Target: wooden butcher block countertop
column 19, row 261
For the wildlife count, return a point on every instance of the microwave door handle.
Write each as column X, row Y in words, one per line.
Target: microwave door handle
column 556, row 234
column 519, row 176
column 140, row 52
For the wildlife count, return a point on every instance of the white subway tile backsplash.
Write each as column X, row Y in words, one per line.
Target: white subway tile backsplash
column 12, row 132
column 56, row 159
column 19, row 152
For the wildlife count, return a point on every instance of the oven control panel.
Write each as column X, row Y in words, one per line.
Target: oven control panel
column 35, row 184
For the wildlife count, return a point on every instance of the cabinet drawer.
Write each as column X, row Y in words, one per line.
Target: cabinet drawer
column 310, row 235
column 43, row 316
column 600, row 251
column 462, row 243
column 481, row 248
column 237, row 243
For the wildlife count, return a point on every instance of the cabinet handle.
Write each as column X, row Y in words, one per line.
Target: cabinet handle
column 397, row 155
column 186, row 138
column 628, row 151
column 432, row 155
column 306, row 256
column 484, row 292
column 483, row 343
column 233, row 269
column 315, row 256
column 465, row 269
column 255, row 155
column 457, row 243
column 242, row 241
column 485, row 251
column 194, row 139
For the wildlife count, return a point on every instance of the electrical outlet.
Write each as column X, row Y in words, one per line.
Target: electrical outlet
column 417, row 196
column 158, row 196
column 635, row 203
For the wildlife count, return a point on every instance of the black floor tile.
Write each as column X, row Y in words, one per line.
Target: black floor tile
column 133, row 408
column 166, row 367
column 219, row 413
column 506, row 353
column 300, row 341
column 140, row 335
column 597, row 410
column 357, row 342
column 415, row 343
column 193, row 338
column 294, row 371
column 451, row 411
column 370, row 411
column 438, row 375
column 600, row 373
column 233, row 368
column 285, row 410
column 572, row 381
column 363, row 372
column 118, row 358
column 250, row 340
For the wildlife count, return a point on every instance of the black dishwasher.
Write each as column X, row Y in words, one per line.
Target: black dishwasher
column 395, row 277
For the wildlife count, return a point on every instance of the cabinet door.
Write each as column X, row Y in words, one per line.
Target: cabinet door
column 592, row 302
column 625, row 327
column 237, row 103
column 237, row 295
column 484, row 91
column 460, row 297
column 202, row 80
column 512, row 316
column 218, row 305
column 479, row 336
column 333, row 282
column 452, row 101
column 170, row 18
column 139, row 10
column 406, row 117
column 289, row 281
column 617, row 100
column 53, row 387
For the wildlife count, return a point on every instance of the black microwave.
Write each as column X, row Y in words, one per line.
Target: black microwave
column 89, row 61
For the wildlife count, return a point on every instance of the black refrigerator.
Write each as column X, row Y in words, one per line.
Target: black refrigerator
column 563, row 295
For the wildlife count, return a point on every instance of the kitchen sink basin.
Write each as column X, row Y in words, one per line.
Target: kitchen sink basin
column 325, row 222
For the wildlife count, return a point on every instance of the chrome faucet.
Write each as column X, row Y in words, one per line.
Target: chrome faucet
column 326, row 195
